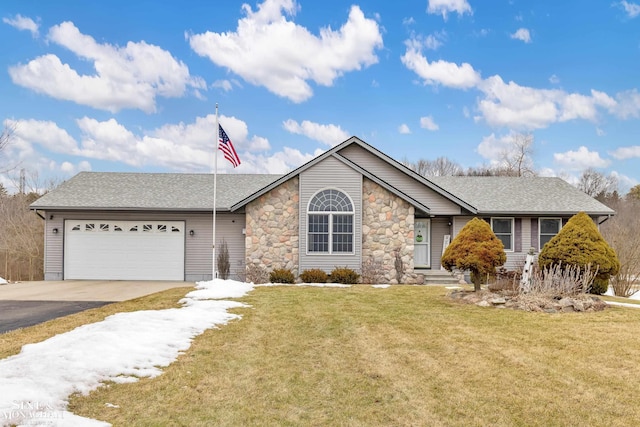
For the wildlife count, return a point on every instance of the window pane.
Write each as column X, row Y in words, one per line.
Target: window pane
column 342, row 233
column 550, row 226
column 506, row 240
column 342, row 243
column 330, row 201
column 319, row 223
column 501, row 225
column 544, row 238
column 318, row 234
column 318, row 242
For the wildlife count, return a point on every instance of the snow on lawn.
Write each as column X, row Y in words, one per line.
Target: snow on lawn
column 2, row 281
column 35, row 384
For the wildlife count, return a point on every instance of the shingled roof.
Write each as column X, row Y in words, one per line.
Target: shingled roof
column 151, row 191
column 501, row 195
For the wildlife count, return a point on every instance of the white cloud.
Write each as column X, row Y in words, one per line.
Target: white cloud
column 181, row 147
column 404, row 129
column 330, row 135
column 125, row 77
column 554, row 79
column 600, row 131
column 522, row 34
column 443, row 7
column 626, row 105
column 625, row 183
column 439, row 72
column 435, row 40
column 23, row 23
column 581, row 159
column 513, row 106
column 269, row 50
column 632, row 9
column 492, row 147
column 44, row 133
column 624, row 153
column 521, row 107
column 428, row 123
column 408, row 21
column 223, row 84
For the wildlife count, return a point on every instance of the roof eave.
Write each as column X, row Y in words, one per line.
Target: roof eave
column 129, row 209
column 542, row 213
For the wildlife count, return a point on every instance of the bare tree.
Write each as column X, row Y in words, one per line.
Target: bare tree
column 30, row 182
column 597, row 185
column 517, row 159
column 619, row 231
column 21, row 241
column 441, row 166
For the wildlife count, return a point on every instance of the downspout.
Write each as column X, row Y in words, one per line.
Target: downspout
column 38, row 213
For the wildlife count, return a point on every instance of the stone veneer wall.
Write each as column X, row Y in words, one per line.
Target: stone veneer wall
column 272, row 228
column 387, row 229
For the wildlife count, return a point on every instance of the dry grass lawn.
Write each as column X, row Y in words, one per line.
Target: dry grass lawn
column 402, row 356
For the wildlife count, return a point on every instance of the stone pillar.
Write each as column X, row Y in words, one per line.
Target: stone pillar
column 272, row 228
column 387, row 232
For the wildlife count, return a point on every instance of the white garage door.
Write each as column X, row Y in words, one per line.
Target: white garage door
column 124, row 250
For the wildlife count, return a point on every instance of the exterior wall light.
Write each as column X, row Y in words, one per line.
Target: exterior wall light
column 55, row 231
column 191, row 232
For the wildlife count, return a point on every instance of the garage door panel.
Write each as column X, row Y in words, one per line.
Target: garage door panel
column 124, row 250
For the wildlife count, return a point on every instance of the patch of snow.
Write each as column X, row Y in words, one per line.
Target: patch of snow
column 380, row 286
column 2, row 281
column 623, row 304
column 122, row 348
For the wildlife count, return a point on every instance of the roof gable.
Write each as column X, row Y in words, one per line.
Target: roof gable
column 335, row 152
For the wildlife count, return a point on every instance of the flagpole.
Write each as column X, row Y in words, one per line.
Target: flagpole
column 215, row 192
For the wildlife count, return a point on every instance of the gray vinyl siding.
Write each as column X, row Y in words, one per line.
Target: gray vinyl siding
column 515, row 260
column 331, row 173
column 437, row 204
column 439, row 228
column 198, row 248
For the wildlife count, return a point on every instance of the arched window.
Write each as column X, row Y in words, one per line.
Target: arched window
column 330, row 226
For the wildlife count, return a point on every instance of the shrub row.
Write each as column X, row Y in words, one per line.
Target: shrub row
column 341, row 275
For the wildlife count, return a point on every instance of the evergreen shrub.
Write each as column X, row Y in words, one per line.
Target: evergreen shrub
column 344, row 275
column 314, row 275
column 580, row 244
column 281, row 275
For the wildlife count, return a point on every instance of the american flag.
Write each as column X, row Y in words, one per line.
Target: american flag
column 227, row 148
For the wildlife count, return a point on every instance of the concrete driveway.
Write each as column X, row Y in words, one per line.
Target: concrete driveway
column 29, row 303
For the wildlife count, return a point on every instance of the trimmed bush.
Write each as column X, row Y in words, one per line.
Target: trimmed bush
column 477, row 249
column 579, row 243
column 344, row 275
column 314, row 275
column 281, row 275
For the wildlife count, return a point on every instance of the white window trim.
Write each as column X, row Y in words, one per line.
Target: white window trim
column 330, row 214
column 513, row 230
column 540, row 229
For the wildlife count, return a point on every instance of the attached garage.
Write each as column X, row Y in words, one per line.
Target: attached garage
column 124, row 250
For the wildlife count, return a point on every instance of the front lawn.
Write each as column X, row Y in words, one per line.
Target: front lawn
column 406, row 355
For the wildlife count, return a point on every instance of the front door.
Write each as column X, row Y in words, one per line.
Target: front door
column 421, row 241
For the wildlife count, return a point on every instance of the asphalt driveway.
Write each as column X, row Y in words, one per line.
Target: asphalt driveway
column 29, row 303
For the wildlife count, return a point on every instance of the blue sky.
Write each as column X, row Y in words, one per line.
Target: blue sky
column 132, row 85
